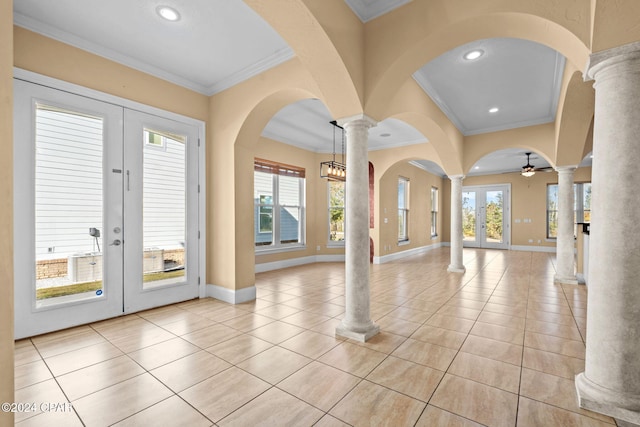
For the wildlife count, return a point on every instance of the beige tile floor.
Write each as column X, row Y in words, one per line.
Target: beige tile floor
column 497, row 346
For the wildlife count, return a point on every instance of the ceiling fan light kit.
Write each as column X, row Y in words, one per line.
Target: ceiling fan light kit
column 528, row 170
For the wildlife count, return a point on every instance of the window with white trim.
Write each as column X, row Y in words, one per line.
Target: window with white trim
column 434, row 212
column 336, row 211
column 278, row 194
column 581, row 206
column 403, row 209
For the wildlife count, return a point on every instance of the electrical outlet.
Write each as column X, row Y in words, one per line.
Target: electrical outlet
column 318, row 248
column 530, row 240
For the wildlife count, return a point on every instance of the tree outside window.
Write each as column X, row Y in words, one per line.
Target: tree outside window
column 336, row 211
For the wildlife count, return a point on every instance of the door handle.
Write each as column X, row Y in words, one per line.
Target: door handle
column 116, row 242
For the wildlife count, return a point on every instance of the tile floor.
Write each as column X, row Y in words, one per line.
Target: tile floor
column 497, row 346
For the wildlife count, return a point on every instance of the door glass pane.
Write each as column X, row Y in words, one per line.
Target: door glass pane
column 164, row 208
column 68, row 206
column 469, row 215
column 494, row 207
column 336, row 211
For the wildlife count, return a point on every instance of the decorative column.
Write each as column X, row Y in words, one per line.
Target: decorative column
column 565, row 241
column 456, row 265
column 610, row 383
column 357, row 323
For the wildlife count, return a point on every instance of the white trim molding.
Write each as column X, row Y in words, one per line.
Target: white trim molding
column 277, row 265
column 548, row 249
column 231, row 296
column 403, row 254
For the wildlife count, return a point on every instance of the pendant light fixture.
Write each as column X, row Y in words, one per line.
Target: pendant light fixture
column 528, row 170
column 333, row 170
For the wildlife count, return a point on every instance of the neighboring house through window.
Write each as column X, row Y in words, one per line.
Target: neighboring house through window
column 278, row 194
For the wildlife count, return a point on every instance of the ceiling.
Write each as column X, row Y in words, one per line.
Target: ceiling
column 217, row 44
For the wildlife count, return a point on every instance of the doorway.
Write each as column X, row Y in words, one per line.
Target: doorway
column 486, row 216
column 106, row 209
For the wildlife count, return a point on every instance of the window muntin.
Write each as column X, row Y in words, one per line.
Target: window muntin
column 403, row 209
column 581, row 207
column 278, row 204
column 336, row 190
column 434, row 212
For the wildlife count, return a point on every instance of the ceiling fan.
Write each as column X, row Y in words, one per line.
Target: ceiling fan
column 530, row 170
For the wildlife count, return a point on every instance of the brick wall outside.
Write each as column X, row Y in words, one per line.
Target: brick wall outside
column 46, row 269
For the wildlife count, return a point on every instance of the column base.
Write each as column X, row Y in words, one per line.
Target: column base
column 359, row 334
column 565, row 280
column 456, row 269
column 608, row 402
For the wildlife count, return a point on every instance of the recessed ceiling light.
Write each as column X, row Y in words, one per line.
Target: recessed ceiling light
column 168, row 13
column 474, row 54
column 385, row 135
column 477, row 167
column 494, row 110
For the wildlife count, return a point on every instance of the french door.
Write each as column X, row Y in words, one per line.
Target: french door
column 106, row 210
column 485, row 216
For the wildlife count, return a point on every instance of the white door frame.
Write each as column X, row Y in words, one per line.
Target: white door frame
column 24, row 247
column 480, row 241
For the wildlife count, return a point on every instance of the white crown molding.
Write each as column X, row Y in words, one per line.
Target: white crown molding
column 278, row 57
column 432, row 93
column 46, row 30
column 556, row 87
column 400, row 144
column 558, row 73
column 368, row 10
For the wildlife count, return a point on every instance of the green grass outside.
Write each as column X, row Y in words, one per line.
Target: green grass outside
column 78, row 288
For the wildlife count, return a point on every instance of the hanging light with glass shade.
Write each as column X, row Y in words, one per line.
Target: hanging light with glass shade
column 332, row 169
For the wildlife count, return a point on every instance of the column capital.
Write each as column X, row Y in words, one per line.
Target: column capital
column 601, row 60
column 357, row 120
column 456, row 177
column 565, row 169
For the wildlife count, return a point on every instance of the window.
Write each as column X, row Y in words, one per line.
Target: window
column 336, row 211
column 278, row 194
column 582, row 196
column 434, row 212
column 403, row 209
column 582, row 206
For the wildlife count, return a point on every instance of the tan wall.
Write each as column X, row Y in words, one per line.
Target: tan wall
column 420, row 183
column 46, row 56
column 528, row 200
column 6, row 208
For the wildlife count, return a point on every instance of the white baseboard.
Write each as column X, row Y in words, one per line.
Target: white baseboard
column 403, row 254
column 292, row 262
column 228, row 295
column 548, row 249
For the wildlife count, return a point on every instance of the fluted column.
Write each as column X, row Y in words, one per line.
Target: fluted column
column 565, row 242
column 357, row 323
column 456, row 265
column 610, row 383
